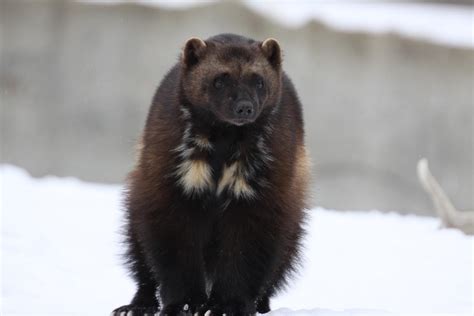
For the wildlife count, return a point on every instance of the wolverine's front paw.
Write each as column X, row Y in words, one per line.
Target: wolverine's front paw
column 180, row 309
column 135, row 310
column 229, row 308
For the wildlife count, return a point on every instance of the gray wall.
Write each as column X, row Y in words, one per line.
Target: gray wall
column 76, row 81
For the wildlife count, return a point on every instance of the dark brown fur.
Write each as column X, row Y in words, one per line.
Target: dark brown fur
column 215, row 205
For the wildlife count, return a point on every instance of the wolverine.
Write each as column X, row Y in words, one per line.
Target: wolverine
column 215, row 206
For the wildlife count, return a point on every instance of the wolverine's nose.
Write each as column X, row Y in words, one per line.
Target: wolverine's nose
column 244, row 109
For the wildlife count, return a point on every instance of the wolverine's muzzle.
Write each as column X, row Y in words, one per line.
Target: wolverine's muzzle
column 244, row 112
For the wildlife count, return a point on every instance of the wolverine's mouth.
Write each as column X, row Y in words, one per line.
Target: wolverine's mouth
column 240, row 121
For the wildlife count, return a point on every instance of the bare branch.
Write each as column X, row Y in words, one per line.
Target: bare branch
column 450, row 216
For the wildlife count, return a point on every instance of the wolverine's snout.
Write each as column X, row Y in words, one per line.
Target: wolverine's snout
column 244, row 111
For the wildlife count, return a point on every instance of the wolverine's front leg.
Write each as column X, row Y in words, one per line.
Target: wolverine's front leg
column 174, row 252
column 245, row 259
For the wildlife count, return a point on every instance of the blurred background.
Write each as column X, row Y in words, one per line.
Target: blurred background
column 382, row 83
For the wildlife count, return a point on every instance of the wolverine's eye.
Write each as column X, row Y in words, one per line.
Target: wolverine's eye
column 221, row 81
column 218, row 83
column 260, row 84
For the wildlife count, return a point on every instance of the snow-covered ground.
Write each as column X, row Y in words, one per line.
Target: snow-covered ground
column 60, row 255
column 446, row 24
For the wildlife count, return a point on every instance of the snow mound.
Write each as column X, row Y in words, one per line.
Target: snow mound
column 60, row 251
column 440, row 23
column 443, row 23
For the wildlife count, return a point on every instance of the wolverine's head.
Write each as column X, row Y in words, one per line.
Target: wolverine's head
column 231, row 77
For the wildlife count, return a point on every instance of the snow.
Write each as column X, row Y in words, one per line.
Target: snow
column 445, row 24
column 439, row 23
column 169, row 4
column 60, row 251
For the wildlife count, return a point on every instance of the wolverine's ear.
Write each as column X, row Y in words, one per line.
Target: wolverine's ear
column 271, row 50
column 194, row 49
